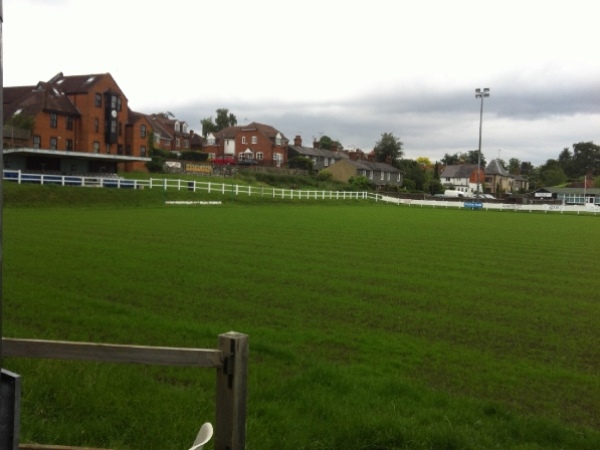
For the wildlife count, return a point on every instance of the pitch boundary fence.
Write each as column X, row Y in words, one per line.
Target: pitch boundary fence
column 210, row 187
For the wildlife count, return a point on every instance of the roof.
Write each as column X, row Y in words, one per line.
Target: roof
column 495, row 168
column 43, row 97
column 562, row 190
column 458, row 171
column 319, row 152
column 375, row 166
column 267, row 130
column 79, row 84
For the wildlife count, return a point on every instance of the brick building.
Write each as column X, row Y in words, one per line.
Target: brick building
column 81, row 124
column 255, row 142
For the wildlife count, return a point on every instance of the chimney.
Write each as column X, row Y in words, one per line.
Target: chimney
column 353, row 156
column 298, row 141
column 316, row 144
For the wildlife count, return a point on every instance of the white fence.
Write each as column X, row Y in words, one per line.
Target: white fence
column 175, row 184
column 470, row 204
column 236, row 189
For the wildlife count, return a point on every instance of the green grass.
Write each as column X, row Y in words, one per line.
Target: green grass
column 371, row 326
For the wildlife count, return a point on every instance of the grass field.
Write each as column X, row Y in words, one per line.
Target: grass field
column 371, row 326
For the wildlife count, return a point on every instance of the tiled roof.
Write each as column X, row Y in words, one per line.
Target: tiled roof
column 377, row 166
column 495, row 168
column 311, row 151
column 458, row 171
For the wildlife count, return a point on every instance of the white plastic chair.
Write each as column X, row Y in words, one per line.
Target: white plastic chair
column 204, row 435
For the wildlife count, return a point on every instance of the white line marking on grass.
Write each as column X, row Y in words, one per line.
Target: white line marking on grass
column 191, row 203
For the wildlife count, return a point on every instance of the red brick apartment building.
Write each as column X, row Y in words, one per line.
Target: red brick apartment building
column 256, row 142
column 83, row 124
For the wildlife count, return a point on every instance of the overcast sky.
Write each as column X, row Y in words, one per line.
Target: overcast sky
column 348, row 70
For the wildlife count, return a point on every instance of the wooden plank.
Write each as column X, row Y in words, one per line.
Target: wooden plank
column 54, row 447
column 232, row 380
column 86, row 351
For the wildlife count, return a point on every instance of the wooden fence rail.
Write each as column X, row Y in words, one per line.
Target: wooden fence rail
column 230, row 359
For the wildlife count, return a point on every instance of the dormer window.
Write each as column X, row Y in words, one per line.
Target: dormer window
column 177, row 126
column 278, row 139
column 185, row 127
column 210, row 139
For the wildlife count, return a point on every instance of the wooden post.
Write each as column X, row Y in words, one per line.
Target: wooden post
column 230, row 433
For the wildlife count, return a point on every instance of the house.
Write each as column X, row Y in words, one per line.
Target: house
column 255, row 142
column 569, row 196
column 380, row 174
column 171, row 134
column 498, row 180
column 80, row 125
column 320, row 158
column 464, row 178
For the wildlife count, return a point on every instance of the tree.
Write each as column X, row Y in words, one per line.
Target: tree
column 208, row 126
column 424, row 161
column 526, row 168
column 514, row 166
column 301, row 162
column 450, row 160
column 413, row 175
column 552, row 174
column 586, row 158
column 388, row 149
column 22, row 121
column 224, row 119
column 469, row 157
column 567, row 163
column 326, row 143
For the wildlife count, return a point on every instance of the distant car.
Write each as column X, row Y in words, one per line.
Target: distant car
column 224, row 161
column 247, row 162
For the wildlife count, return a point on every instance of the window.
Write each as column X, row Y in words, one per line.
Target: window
column 53, row 143
column 96, row 125
column 119, row 149
column 119, row 104
column 255, row 139
column 53, row 120
column 98, row 100
column 143, row 131
column 96, row 147
column 389, row 176
column 69, row 122
column 177, row 142
column 278, row 140
column 143, row 151
column 243, row 139
column 37, row 141
column 325, row 162
column 259, row 156
column 185, row 127
column 370, row 174
column 107, row 147
column 186, row 143
column 69, row 145
column 399, row 178
column 210, row 141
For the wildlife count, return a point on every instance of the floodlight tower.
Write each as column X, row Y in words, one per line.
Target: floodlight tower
column 479, row 93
